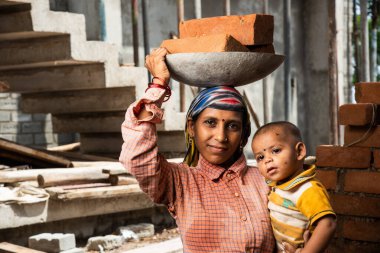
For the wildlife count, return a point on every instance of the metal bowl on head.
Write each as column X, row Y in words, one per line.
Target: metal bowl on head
column 221, row 68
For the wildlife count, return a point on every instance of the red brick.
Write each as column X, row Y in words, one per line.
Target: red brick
column 253, row 29
column 376, row 158
column 355, row 205
column 362, row 230
column 362, row 181
column 343, row 157
column 358, row 114
column 211, row 43
column 354, row 133
column 367, row 93
column 328, row 178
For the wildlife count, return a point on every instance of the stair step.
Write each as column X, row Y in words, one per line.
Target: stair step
column 112, row 99
column 88, row 122
column 108, row 143
column 9, row 6
column 30, row 47
column 97, row 122
column 53, row 76
column 16, row 22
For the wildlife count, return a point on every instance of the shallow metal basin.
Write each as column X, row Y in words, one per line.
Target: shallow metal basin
column 221, row 68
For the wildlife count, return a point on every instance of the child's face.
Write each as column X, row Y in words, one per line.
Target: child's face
column 278, row 156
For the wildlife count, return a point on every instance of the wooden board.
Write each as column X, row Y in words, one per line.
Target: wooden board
column 6, row 247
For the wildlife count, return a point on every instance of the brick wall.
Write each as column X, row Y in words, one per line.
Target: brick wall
column 351, row 173
column 27, row 129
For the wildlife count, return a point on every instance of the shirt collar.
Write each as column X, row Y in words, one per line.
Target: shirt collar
column 214, row 172
column 308, row 173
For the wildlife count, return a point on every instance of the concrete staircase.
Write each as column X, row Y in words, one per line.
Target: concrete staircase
column 44, row 55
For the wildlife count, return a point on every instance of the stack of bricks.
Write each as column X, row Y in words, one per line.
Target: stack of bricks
column 351, row 173
column 27, row 129
column 249, row 33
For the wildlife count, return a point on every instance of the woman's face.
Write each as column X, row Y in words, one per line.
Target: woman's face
column 217, row 134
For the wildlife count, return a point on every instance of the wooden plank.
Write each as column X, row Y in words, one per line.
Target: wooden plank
column 77, row 157
column 70, row 178
column 91, row 193
column 6, row 247
column 122, row 180
column 34, row 153
column 65, row 148
column 31, row 175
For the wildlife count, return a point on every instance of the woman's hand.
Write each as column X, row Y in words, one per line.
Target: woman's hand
column 155, row 63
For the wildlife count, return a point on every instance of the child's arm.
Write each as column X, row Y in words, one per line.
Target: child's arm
column 321, row 236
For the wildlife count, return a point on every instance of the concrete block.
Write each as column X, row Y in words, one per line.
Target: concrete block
column 38, row 116
column 21, row 117
column 343, row 157
column 9, row 128
column 75, row 250
column 142, row 230
column 5, row 116
column 358, row 114
column 31, row 127
column 9, row 104
column 354, row 133
column 107, row 242
column 4, row 95
column 253, row 29
column 46, row 138
column 367, row 92
column 53, row 243
column 210, row 43
column 24, row 139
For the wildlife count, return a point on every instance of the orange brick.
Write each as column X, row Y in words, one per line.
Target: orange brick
column 328, row 178
column 343, row 157
column 362, row 181
column 253, row 29
column 362, row 230
column 367, row 93
column 358, row 114
column 355, row 205
column 211, row 43
column 376, row 158
column 262, row 48
column 354, row 133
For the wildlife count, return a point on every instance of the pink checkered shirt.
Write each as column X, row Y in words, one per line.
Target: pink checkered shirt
column 216, row 210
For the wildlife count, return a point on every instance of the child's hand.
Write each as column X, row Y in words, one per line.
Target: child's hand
column 155, row 63
column 288, row 248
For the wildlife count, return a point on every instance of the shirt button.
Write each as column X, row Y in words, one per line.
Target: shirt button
column 228, row 175
column 243, row 218
column 236, row 194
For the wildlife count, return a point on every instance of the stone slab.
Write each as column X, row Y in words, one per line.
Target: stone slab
column 169, row 246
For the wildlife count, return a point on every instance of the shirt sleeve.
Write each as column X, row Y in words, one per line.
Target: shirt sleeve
column 139, row 154
column 314, row 203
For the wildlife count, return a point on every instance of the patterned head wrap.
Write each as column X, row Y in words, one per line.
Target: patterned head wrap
column 222, row 98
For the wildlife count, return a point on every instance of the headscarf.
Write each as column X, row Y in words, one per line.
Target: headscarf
column 219, row 97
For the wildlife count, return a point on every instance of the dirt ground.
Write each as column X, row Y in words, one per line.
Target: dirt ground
column 164, row 235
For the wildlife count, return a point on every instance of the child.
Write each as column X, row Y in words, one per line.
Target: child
column 297, row 201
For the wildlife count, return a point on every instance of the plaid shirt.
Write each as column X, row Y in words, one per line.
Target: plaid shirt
column 216, row 210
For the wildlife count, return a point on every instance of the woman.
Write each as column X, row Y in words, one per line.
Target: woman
column 220, row 203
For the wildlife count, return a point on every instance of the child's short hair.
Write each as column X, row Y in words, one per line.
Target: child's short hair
column 287, row 127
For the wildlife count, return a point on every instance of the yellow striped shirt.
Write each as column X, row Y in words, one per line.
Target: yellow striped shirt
column 295, row 206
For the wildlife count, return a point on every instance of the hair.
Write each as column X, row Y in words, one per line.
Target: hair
column 287, row 127
column 218, row 97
